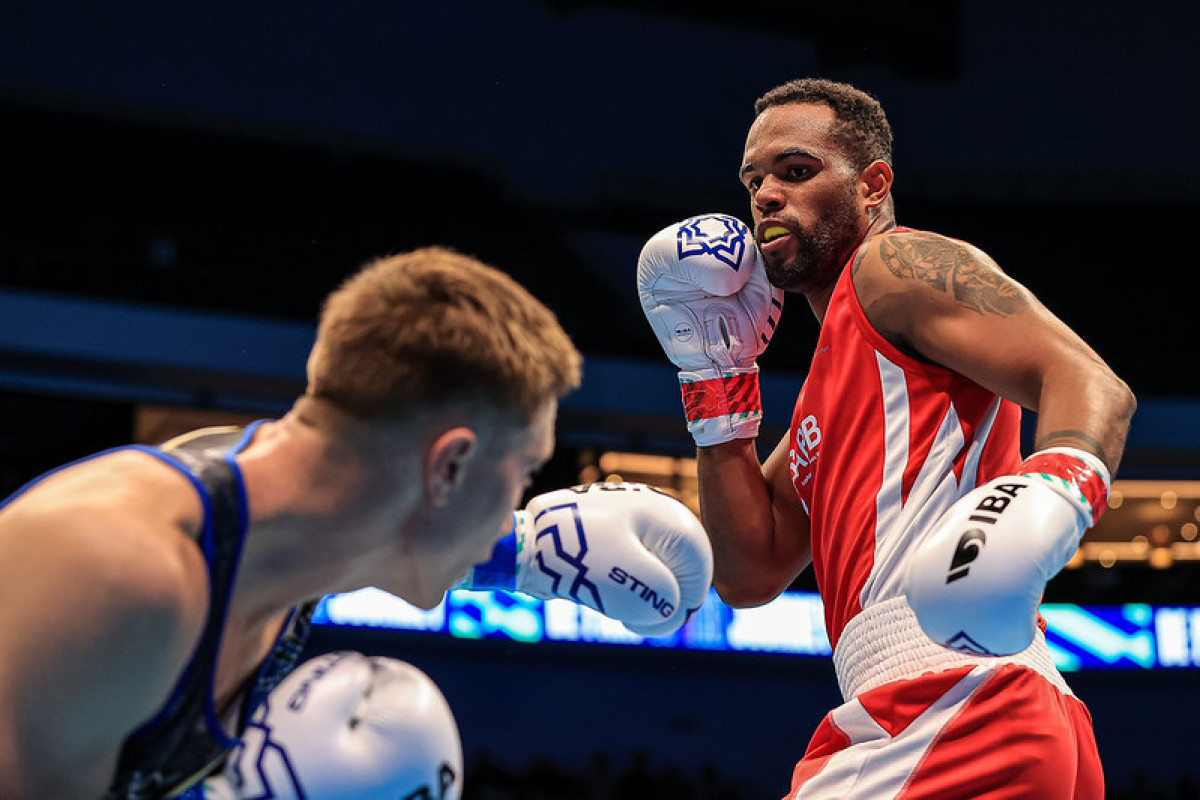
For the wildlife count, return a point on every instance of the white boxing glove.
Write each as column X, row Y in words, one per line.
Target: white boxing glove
column 344, row 726
column 627, row 550
column 705, row 291
column 976, row 581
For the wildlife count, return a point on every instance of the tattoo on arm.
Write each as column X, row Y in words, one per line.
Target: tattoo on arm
column 858, row 260
column 1072, row 438
column 953, row 268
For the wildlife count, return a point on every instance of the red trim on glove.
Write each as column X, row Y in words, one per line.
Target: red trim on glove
column 1074, row 471
column 719, row 397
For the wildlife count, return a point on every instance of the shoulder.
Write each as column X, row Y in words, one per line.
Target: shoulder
column 906, row 278
column 110, row 538
column 908, row 251
column 923, row 262
column 103, row 596
column 98, row 569
column 126, row 485
column 908, row 254
column 909, row 244
column 123, row 522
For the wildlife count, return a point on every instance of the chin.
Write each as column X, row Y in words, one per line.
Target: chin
column 788, row 276
column 425, row 602
column 425, row 596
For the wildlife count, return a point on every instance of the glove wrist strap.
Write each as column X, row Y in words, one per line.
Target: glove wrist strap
column 721, row 404
column 1077, row 474
column 500, row 570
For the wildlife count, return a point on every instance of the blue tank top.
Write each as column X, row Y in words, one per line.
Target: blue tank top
column 185, row 740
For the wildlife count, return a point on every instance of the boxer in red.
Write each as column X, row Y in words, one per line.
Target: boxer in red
column 900, row 480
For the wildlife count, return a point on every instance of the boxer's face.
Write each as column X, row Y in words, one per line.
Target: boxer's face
column 803, row 196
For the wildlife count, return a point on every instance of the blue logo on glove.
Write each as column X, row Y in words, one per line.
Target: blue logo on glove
column 723, row 238
column 579, row 583
column 273, row 771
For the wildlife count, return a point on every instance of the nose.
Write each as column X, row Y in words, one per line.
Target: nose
column 770, row 196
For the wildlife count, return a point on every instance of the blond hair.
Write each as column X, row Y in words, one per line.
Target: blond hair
column 433, row 326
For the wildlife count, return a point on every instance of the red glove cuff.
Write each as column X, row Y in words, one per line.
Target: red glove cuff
column 736, row 394
column 1078, row 473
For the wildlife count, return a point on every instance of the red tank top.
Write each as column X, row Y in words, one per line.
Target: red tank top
column 881, row 444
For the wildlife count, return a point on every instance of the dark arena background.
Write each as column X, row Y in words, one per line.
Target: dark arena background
column 183, row 182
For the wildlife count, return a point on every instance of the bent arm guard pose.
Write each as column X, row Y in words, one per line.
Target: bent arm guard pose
column 704, row 289
column 706, row 295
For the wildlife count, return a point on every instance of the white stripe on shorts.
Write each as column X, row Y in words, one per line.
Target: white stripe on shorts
column 875, row 765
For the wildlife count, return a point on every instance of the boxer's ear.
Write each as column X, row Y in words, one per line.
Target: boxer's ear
column 446, row 463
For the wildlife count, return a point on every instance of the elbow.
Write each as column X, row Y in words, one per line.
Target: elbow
column 1121, row 401
column 1121, row 404
column 746, row 594
column 1127, row 400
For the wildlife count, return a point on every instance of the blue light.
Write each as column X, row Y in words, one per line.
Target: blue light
column 1133, row 636
column 1100, row 636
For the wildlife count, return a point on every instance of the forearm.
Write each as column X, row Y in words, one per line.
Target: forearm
column 1089, row 408
column 753, row 558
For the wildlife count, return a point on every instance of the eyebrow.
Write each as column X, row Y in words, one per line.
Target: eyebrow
column 782, row 155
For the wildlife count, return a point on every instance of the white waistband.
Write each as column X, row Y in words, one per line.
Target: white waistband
column 885, row 643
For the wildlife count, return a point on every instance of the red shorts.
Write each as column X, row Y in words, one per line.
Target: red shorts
column 970, row 732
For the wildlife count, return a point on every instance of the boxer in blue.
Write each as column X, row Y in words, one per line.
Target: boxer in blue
column 152, row 598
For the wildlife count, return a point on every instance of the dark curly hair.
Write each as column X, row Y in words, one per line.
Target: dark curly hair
column 862, row 128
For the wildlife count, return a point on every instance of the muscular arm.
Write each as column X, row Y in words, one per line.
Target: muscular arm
column 759, row 532
column 949, row 303
column 96, row 620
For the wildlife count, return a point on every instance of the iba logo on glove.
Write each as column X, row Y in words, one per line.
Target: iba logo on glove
column 972, row 542
column 966, row 551
column 723, row 238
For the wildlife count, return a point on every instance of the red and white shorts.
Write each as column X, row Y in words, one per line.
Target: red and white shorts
column 971, row 732
column 919, row 725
